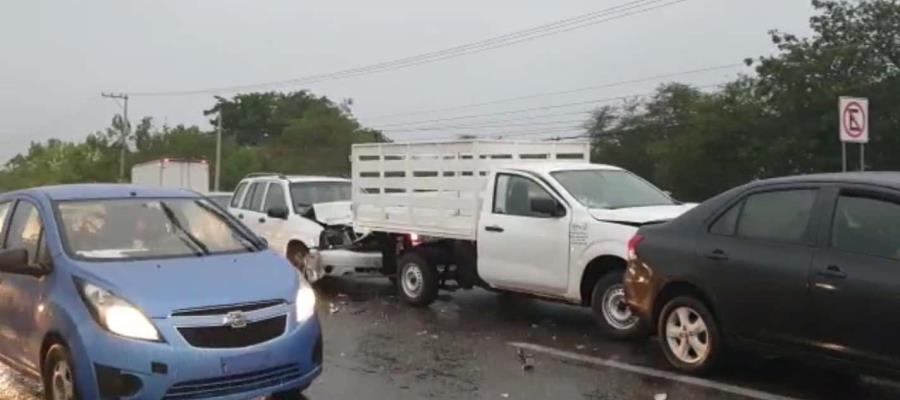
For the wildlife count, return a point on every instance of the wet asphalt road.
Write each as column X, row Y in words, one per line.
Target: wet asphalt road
column 377, row 348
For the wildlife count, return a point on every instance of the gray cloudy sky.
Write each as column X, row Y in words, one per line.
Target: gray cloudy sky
column 58, row 55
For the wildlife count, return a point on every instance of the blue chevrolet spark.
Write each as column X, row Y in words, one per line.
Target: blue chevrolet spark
column 118, row 291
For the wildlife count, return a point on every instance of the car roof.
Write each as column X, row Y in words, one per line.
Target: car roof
column 297, row 178
column 548, row 167
column 102, row 191
column 880, row 178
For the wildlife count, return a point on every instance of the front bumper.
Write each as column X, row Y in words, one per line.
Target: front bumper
column 175, row 370
column 343, row 262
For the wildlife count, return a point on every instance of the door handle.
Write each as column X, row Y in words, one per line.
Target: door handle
column 717, row 254
column 834, row 272
column 241, row 216
column 262, row 220
column 493, row 228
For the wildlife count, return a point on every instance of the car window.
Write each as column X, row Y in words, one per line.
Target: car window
column 780, row 216
column 275, row 197
column 256, row 201
column 251, row 188
column 25, row 230
column 726, row 222
column 236, row 198
column 866, row 225
column 4, row 212
column 513, row 195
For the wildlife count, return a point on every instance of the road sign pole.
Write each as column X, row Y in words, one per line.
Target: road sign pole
column 843, row 156
column 862, row 156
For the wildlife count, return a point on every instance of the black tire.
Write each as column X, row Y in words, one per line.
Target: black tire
column 707, row 360
column 57, row 355
column 420, row 288
column 295, row 394
column 608, row 290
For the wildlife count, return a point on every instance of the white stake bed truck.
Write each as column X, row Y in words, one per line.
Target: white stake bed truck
column 528, row 217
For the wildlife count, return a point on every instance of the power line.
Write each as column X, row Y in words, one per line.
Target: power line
column 569, row 91
column 515, row 111
column 565, row 25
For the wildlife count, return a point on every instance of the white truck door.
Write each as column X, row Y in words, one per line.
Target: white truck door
column 275, row 230
column 520, row 247
column 249, row 212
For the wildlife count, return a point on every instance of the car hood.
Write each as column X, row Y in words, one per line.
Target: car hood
column 334, row 213
column 638, row 216
column 159, row 287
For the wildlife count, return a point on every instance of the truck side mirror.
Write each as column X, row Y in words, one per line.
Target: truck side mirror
column 548, row 207
column 278, row 212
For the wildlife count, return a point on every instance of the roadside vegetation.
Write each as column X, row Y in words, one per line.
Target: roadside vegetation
column 693, row 141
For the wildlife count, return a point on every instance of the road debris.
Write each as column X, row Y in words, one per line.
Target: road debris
column 660, row 396
column 526, row 359
column 333, row 308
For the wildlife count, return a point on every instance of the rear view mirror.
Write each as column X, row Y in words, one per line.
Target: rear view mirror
column 15, row 261
column 545, row 206
column 278, row 212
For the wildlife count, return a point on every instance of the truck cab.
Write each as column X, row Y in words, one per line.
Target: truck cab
column 561, row 230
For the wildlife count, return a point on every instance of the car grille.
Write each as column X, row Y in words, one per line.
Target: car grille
column 221, row 337
column 233, row 384
column 221, row 310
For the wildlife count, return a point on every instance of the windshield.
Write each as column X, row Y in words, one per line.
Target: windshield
column 610, row 189
column 305, row 194
column 148, row 228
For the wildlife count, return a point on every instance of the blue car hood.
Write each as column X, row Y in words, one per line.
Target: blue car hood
column 159, row 287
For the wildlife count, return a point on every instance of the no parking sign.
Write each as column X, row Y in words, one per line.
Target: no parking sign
column 854, row 124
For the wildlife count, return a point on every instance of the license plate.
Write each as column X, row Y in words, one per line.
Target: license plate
column 245, row 362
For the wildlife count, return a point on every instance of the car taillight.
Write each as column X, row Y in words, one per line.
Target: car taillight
column 633, row 243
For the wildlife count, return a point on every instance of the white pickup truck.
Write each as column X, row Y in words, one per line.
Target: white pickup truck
column 527, row 217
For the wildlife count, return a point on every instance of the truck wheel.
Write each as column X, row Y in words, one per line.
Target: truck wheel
column 611, row 312
column 689, row 335
column 59, row 375
column 417, row 280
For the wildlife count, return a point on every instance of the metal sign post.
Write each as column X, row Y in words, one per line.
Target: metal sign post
column 853, row 127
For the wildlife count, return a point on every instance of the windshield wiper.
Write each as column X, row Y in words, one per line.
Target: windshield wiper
column 192, row 241
column 234, row 232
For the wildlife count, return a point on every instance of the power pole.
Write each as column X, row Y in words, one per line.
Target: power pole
column 218, row 151
column 125, row 128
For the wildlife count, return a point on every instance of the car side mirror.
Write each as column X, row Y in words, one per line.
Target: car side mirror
column 278, row 212
column 15, row 261
column 546, row 206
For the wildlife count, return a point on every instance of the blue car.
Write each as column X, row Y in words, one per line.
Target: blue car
column 127, row 292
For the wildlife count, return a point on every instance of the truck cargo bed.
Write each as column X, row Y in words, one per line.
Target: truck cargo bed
column 435, row 188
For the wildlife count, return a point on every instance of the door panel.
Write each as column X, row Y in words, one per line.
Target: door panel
column 275, row 230
column 856, row 279
column 22, row 293
column 521, row 249
column 758, row 255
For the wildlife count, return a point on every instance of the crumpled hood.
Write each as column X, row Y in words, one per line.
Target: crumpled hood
column 334, row 213
column 161, row 286
column 640, row 215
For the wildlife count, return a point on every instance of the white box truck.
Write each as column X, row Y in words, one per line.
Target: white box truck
column 173, row 173
column 527, row 217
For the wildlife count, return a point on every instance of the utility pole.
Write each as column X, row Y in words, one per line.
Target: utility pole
column 218, row 151
column 125, row 128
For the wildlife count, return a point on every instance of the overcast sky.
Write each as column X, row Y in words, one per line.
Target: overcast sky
column 58, row 55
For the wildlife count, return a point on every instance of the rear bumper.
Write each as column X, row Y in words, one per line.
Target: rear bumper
column 343, row 262
column 639, row 291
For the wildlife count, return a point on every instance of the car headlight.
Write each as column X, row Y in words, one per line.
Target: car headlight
column 305, row 303
column 115, row 314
